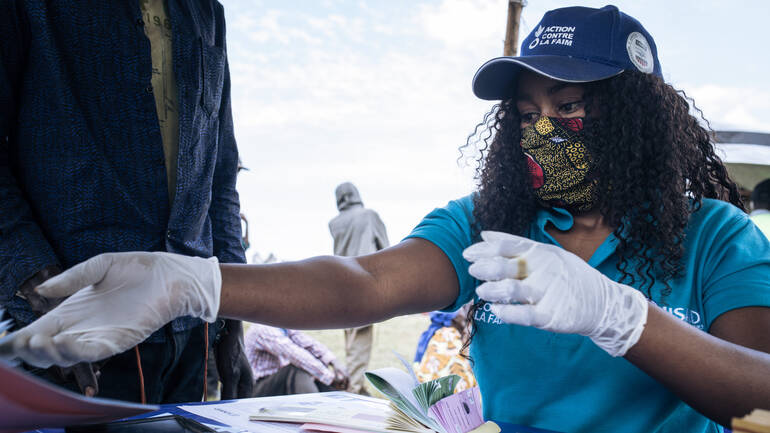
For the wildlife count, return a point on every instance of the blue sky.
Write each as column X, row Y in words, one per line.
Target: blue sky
column 378, row 93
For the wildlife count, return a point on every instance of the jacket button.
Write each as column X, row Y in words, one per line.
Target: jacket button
column 148, row 89
column 140, row 22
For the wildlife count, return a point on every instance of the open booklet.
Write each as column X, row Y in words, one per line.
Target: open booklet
column 413, row 407
column 341, row 410
column 429, row 406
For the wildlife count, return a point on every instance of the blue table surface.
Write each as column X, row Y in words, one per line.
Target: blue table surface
column 174, row 409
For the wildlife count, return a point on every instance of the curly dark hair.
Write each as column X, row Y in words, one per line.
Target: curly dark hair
column 653, row 161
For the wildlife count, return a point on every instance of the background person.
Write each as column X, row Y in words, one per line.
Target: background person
column 285, row 361
column 441, row 352
column 357, row 231
column 613, row 201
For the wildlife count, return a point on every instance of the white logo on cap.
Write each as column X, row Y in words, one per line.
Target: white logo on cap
column 639, row 52
column 536, row 41
column 553, row 35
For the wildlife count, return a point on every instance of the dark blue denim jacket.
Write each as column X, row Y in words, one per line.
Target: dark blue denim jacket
column 81, row 160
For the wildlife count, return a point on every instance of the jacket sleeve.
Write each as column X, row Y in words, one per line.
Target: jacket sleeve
column 304, row 357
column 380, row 234
column 313, row 346
column 24, row 249
column 225, row 205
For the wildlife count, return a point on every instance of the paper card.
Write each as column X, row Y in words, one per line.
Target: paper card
column 459, row 413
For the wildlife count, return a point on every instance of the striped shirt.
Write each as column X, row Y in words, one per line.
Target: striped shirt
column 269, row 349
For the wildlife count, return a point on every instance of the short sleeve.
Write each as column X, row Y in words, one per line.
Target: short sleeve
column 450, row 229
column 737, row 266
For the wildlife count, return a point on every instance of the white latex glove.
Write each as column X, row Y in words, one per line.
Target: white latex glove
column 118, row 300
column 534, row 284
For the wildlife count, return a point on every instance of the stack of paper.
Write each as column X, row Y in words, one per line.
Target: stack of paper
column 429, row 406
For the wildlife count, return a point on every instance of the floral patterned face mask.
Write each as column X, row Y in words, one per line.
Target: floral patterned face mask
column 559, row 163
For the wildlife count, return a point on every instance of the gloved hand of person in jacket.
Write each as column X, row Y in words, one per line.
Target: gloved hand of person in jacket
column 84, row 375
column 232, row 365
column 534, row 284
column 116, row 300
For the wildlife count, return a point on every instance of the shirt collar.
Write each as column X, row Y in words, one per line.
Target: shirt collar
column 560, row 218
column 563, row 220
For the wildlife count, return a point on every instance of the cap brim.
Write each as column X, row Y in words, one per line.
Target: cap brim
column 496, row 78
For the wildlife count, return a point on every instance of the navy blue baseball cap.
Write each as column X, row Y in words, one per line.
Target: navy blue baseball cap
column 574, row 44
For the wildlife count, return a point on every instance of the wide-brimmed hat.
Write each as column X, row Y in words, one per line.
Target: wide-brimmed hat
column 574, row 44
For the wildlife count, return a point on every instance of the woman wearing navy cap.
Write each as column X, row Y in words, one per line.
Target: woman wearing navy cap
column 619, row 285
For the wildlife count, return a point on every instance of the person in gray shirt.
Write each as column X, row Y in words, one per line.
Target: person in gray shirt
column 357, row 231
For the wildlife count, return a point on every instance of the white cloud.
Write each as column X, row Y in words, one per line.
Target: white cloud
column 733, row 107
column 335, row 109
column 270, row 27
column 463, row 23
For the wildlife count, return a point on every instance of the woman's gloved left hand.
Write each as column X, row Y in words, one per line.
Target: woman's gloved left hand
column 534, row 284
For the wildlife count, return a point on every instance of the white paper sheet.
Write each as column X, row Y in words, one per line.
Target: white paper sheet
column 336, row 405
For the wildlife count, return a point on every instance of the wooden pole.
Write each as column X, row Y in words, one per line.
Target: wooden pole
column 511, row 46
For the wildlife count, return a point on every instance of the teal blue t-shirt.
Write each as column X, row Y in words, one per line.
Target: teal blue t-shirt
column 566, row 383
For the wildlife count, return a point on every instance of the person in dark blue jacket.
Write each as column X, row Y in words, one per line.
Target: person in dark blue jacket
column 116, row 134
